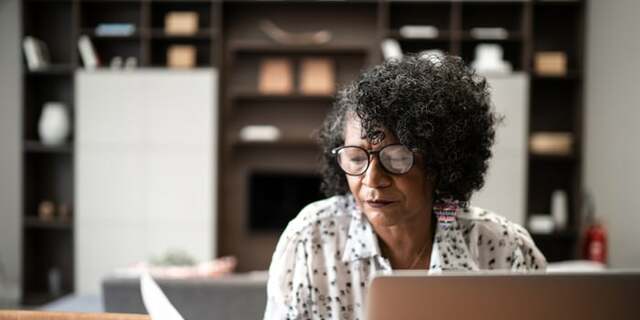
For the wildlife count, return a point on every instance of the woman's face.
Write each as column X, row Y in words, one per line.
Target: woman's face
column 386, row 199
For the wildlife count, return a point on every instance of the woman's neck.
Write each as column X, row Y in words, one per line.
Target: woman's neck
column 407, row 245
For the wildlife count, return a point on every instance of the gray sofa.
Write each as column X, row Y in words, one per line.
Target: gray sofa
column 241, row 297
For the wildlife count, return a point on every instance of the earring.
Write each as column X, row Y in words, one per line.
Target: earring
column 446, row 209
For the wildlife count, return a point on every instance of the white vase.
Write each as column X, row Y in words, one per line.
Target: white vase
column 54, row 125
column 559, row 209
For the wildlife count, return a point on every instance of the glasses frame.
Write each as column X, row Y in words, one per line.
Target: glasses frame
column 376, row 153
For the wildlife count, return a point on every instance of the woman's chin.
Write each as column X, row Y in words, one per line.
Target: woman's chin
column 383, row 218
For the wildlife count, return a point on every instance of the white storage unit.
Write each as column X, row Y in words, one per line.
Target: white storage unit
column 145, row 168
column 506, row 181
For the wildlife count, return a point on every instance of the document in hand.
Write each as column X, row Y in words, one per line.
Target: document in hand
column 157, row 304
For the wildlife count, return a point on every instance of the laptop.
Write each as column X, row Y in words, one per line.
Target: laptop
column 496, row 296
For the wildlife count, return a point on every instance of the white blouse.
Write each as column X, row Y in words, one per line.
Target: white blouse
column 326, row 256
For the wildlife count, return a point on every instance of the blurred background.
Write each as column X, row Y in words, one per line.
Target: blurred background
column 177, row 135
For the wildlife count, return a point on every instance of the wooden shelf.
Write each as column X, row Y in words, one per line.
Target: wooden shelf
column 442, row 36
column 257, row 97
column 511, row 37
column 552, row 158
column 259, row 47
column 571, row 75
column 31, row 222
column 94, row 36
column 281, row 143
column 159, row 34
column 38, row 147
column 52, row 70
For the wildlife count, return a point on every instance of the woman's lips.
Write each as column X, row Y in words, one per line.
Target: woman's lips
column 377, row 204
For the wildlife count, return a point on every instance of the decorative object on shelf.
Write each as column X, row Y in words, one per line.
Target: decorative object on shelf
column 46, row 211
column 54, row 125
column 559, row 209
column 181, row 23
column 275, row 76
column 116, row 62
column 181, row 56
column 35, row 52
column 64, row 212
column 259, row 133
column 489, row 33
column 541, row 224
column 551, row 63
column 488, row 59
column 131, row 63
column 551, row 143
column 317, row 76
column 418, row 32
column 115, row 29
column 281, row 36
column 88, row 53
column 391, row 49
column 54, row 280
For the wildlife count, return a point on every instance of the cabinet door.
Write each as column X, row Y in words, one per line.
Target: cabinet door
column 144, row 168
column 505, row 183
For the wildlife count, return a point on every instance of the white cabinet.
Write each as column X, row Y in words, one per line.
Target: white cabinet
column 506, row 181
column 145, row 168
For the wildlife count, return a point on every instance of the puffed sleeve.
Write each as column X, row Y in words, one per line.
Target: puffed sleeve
column 288, row 296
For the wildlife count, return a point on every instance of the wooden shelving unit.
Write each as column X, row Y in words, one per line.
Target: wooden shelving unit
column 48, row 172
column 230, row 39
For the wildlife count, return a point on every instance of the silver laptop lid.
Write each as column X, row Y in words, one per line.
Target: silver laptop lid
column 495, row 296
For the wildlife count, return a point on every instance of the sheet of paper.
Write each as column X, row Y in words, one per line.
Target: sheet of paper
column 157, row 304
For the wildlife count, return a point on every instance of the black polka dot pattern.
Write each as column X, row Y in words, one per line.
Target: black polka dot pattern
column 328, row 254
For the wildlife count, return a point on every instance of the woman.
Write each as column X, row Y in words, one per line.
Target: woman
column 404, row 148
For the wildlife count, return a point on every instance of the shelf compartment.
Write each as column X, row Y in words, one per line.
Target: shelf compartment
column 47, row 177
column 512, row 51
column 159, row 10
column 547, row 176
column 45, row 250
column 93, row 13
column 38, row 90
column 437, row 14
column 554, row 106
column 51, row 22
column 245, row 76
column 555, row 28
column 507, row 15
column 160, row 47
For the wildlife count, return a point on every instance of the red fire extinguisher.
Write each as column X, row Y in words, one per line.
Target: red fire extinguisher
column 595, row 236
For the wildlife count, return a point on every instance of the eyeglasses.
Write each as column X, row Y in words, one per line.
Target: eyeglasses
column 394, row 158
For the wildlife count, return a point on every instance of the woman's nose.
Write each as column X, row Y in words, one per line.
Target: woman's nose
column 375, row 176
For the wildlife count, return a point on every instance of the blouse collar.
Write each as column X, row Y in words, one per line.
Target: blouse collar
column 362, row 243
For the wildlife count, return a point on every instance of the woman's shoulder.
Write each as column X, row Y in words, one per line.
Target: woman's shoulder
column 491, row 235
column 324, row 214
column 489, row 221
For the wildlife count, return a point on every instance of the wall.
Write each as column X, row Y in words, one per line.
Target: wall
column 612, row 152
column 10, row 168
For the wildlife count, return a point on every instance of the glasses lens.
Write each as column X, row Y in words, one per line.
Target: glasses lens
column 353, row 160
column 396, row 159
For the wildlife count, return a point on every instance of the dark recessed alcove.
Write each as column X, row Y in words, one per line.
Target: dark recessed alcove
column 277, row 197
